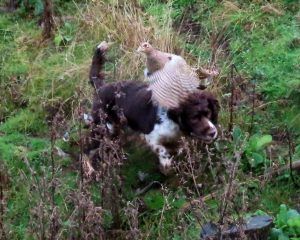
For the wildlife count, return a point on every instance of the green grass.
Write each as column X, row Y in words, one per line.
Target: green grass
column 36, row 76
column 25, row 121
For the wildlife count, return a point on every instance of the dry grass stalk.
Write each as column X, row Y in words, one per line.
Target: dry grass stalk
column 92, row 225
column 230, row 6
column 269, row 8
column 129, row 26
column 132, row 215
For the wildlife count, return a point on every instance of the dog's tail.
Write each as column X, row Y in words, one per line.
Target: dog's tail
column 96, row 74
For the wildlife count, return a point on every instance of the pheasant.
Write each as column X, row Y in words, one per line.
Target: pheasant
column 171, row 78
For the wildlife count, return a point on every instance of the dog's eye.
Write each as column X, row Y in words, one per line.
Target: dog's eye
column 204, row 113
column 196, row 116
column 208, row 114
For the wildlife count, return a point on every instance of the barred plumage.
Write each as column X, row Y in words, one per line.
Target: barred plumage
column 171, row 78
column 171, row 85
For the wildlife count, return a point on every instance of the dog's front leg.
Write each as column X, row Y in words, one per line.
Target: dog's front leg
column 165, row 158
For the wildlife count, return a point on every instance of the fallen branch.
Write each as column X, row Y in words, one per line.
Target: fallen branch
column 271, row 172
column 280, row 101
column 147, row 188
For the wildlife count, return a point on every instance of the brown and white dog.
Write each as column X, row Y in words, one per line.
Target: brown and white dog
column 196, row 116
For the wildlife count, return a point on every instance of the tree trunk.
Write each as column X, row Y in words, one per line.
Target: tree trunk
column 48, row 19
column 9, row 6
column 12, row 4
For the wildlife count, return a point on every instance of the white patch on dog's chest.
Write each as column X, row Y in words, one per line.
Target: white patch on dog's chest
column 165, row 129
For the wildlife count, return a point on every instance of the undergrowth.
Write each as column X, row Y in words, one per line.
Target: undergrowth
column 44, row 92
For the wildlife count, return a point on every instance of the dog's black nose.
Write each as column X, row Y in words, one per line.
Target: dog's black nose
column 212, row 134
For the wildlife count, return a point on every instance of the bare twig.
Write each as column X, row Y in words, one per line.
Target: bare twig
column 279, row 101
column 291, row 151
column 54, row 125
column 252, row 107
column 81, row 183
column 229, row 188
column 230, row 125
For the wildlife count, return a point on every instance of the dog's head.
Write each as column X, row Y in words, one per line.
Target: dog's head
column 197, row 116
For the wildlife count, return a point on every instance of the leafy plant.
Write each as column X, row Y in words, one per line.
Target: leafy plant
column 31, row 6
column 254, row 146
column 287, row 224
column 154, row 200
column 64, row 35
column 255, row 149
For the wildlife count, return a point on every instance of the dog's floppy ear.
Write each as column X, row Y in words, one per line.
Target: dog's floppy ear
column 215, row 107
column 175, row 114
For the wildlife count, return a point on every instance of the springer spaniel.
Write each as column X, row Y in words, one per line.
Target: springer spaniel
column 129, row 103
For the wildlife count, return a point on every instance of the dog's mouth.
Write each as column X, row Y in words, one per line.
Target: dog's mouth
column 204, row 139
column 207, row 141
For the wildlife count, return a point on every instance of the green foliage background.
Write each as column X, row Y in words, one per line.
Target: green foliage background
column 35, row 76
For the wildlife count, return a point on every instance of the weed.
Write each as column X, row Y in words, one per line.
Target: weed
column 287, row 224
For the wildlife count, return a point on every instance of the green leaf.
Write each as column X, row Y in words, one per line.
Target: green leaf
column 283, row 237
column 294, row 223
column 292, row 213
column 68, row 38
column 281, row 219
column 38, row 7
column 178, row 203
column 68, row 26
column 154, row 200
column 260, row 213
column 256, row 159
column 58, row 40
column 251, row 146
column 263, row 141
column 278, row 234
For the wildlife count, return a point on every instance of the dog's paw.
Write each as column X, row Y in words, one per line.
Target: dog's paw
column 165, row 166
column 167, row 171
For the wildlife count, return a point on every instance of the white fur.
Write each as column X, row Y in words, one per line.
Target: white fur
column 165, row 130
column 213, row 129
column 103, row 46
column 88, row 119
column 110, row 127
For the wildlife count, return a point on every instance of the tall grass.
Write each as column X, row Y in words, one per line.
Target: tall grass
column 126, row 25
column 41, row 80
